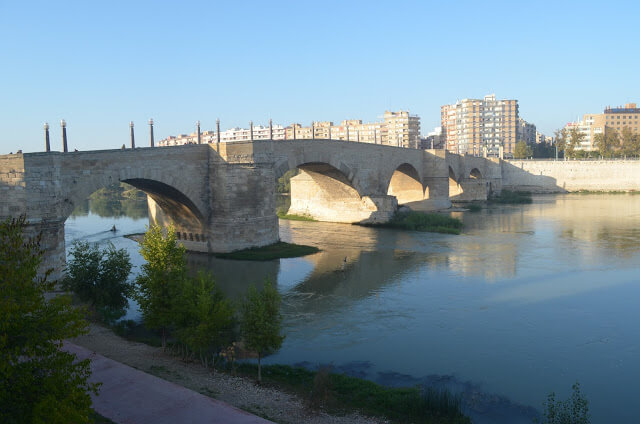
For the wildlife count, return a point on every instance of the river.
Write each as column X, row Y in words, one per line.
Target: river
column 528, row 300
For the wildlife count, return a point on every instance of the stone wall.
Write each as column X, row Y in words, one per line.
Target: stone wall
column 550, row 176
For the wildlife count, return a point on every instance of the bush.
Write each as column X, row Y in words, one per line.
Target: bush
column 99, row 277
column 38, row 382
column 574, row 410
column 420, row 221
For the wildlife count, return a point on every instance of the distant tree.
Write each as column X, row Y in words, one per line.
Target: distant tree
column 607, row 143
column 630, row 142
column 205, row 318
column 260, row 322
column 284, row 182
column 99, row 277
column 38, row 382
column 159, row 284
column 543, row 150
column 574, row 410
column 522, row 150
column 575, row 138
column 560, row 137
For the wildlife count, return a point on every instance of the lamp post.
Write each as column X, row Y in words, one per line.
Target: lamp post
column 133, row 138
column 63, row 124
column 198, row 130
column 151, row 131
column 47, row 143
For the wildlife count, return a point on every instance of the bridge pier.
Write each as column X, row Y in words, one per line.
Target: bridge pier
column 325, row 198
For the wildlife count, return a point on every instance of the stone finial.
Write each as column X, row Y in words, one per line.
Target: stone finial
column 63, row 124
column 132, row 136
column 151, row 131
column 47, row 143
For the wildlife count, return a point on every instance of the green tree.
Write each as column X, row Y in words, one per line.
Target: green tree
column 560, row 137
column 574, row 410
column 575, row 138
column 284, row 182
column 205, row 320
column 38, row 382
column 261, row 321
column 158, row 285
column 607, row 143
column 99, row 277
column 630, row 142
column 522, row 150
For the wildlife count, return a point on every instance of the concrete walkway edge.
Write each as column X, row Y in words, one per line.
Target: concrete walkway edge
column 130, row 396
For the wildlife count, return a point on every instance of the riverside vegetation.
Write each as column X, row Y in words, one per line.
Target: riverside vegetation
column 420, row 221
column 193, row 319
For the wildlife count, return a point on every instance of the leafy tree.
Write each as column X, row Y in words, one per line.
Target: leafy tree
column 561, row 140
column 204, row 317
column 522, row 150
column 543, row 150
column 38, row 382
column 99, row 277
column 284, row 182
column 630, row 142
column 574, row 410
column 158, row 285
column 575, row 138
column 261, row 321
column 607, row 143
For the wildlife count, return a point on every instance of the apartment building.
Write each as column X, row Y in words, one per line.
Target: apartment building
column 481, row 126
column 526, row 132
column 612, row 119
column 397, row 129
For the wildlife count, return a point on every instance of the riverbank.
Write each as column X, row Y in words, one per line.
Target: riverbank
column 243, row 393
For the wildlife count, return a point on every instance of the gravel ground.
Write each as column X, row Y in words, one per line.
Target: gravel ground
column 240, row 392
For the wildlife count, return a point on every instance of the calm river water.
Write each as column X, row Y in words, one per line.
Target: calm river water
column 529, row 300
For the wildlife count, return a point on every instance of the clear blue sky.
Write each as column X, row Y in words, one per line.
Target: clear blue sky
column 101, row 64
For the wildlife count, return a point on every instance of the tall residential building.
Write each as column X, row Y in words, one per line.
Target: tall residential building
column 480, row 126
column 403, row 129
column 612, row 119
column 526, row 132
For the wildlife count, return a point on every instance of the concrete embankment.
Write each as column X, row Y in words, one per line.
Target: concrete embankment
column 550, row 176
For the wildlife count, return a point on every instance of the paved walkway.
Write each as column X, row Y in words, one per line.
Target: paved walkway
column 129, row 396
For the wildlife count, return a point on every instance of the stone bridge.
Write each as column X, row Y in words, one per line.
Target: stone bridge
column 221, row 197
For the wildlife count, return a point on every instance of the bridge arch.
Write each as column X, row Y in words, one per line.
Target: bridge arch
column 176, row 203
column 406, row 184
column 475, row 174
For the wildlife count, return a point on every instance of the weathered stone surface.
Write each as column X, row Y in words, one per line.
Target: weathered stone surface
column 220, row 197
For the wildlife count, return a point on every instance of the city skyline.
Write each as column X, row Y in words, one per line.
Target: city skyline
column 99, row 67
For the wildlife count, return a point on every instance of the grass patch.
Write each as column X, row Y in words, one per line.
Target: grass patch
column 273, row 251
column 512, row 197
column 137, row 332
column 339, row 393
column 606, row 192
column 284, row 215
column 420, row 221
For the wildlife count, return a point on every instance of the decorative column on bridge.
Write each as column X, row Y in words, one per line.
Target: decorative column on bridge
column 313, row 130
column 133, row 139
column 348, row 133
column 47, row 143
column 294, row 131
column 270, row 129
column 198, row 131
column 250, row 130
column 218, row 130
column 151, row 131
column 63, row 124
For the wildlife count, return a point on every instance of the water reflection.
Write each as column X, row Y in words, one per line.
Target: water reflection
column 528, row 300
